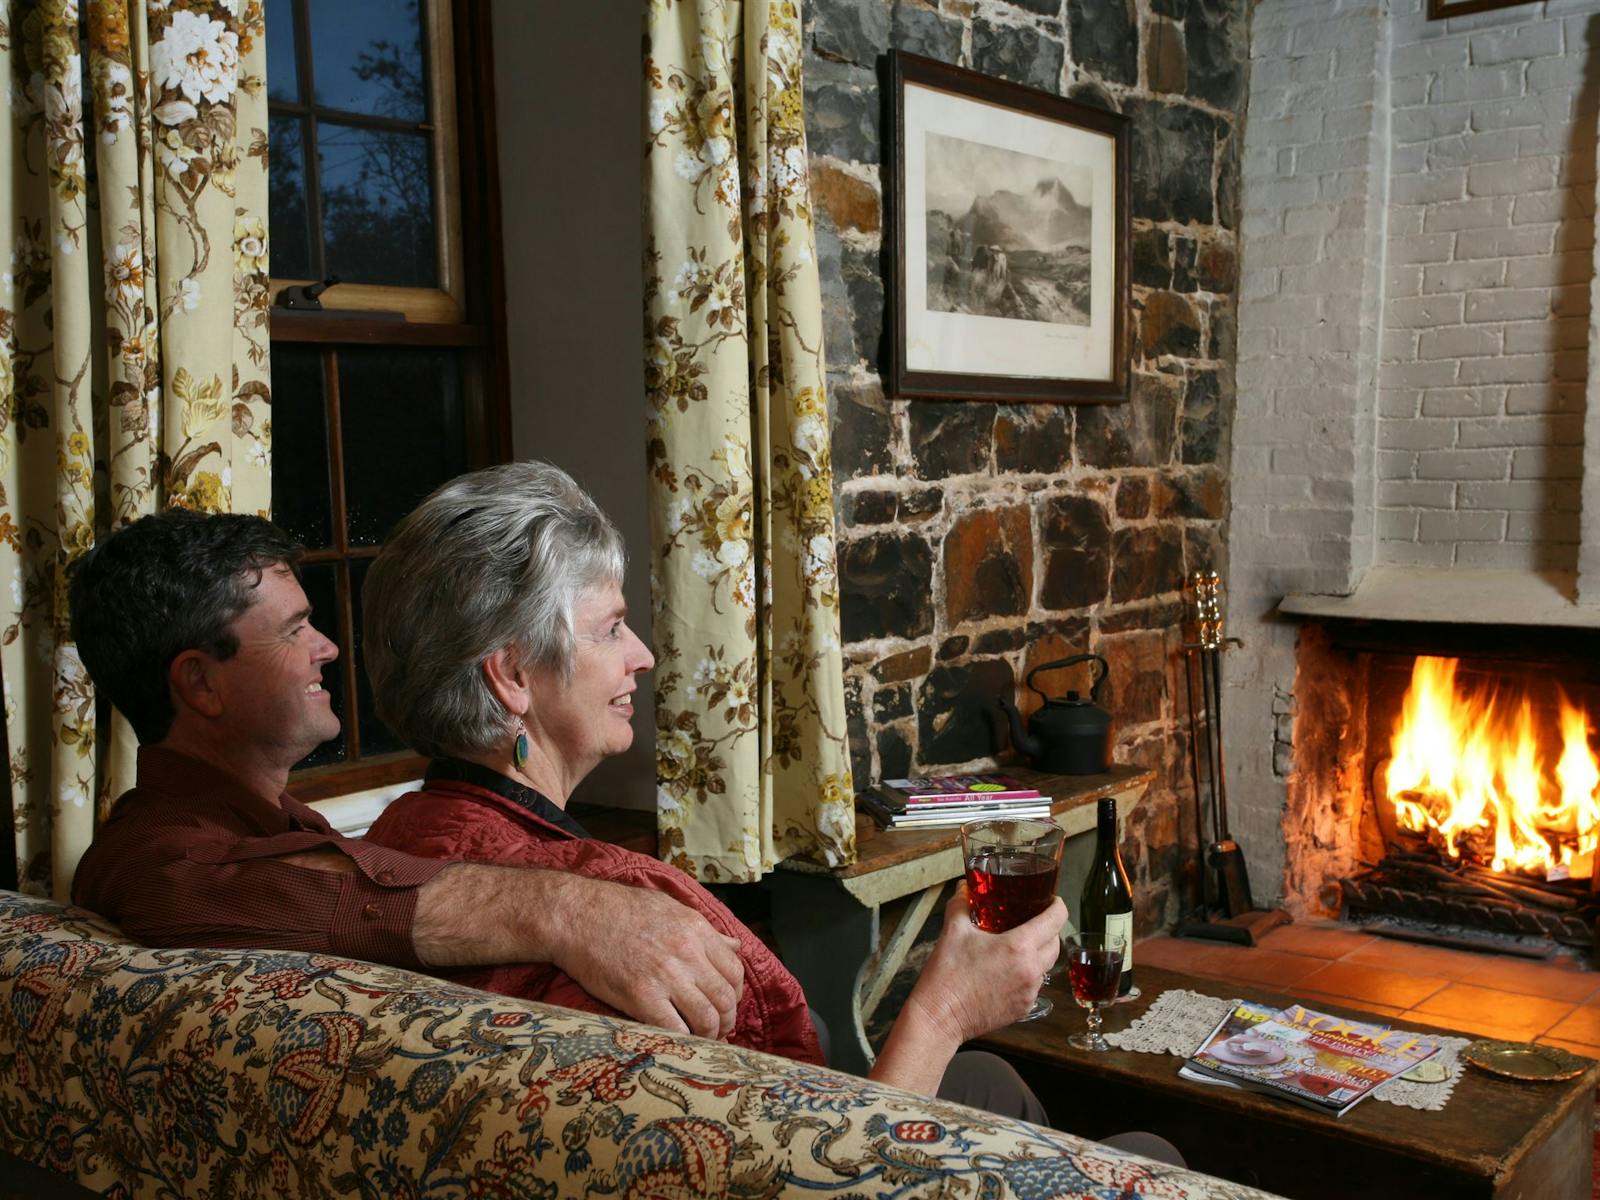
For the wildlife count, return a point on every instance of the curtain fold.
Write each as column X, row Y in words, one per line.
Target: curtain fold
column 134, row 369
column 752, row 764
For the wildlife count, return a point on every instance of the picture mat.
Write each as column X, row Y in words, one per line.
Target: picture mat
column 967, row 343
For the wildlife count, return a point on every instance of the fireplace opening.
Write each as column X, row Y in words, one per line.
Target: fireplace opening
column 1453, row 781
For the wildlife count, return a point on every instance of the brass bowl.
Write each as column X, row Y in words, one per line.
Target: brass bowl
column 1526, row 1061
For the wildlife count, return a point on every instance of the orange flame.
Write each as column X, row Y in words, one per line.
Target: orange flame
column 1463, row 761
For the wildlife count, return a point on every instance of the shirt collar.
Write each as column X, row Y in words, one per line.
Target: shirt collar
column 194, row 781
column 461, row 771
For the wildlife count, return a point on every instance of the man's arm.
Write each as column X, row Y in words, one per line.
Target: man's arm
column 974, row 982
column 640, row 951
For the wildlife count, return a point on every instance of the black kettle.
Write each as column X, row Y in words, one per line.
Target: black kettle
column 1070, row 735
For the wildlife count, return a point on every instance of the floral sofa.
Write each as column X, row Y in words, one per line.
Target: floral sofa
column 176, row 1073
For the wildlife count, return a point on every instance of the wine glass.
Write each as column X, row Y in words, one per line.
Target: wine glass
column 1011, row 877
column 1094, row 965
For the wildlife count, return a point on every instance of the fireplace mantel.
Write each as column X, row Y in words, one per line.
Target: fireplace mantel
column 1453, row 596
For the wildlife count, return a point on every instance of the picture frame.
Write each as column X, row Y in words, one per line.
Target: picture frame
column 1441, row 10
column 1009, row 214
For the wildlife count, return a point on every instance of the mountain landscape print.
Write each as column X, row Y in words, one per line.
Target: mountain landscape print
column 1008, row 235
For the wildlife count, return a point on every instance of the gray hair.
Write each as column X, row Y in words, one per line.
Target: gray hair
column 496, row 558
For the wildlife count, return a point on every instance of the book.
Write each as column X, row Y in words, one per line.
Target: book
column 1313, row 1058
column 953, row 789
column 939, row 816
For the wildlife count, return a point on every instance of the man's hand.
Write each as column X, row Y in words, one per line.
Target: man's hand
column 641, row 952
column 655, row 959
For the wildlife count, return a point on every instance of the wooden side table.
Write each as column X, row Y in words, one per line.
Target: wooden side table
column 826, row 919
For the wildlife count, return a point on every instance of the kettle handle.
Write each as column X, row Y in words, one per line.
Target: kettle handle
column 1094, row 688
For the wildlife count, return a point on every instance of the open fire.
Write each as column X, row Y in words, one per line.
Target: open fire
column 1507, row 780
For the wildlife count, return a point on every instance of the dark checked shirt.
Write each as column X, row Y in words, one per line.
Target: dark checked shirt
column 189, row 857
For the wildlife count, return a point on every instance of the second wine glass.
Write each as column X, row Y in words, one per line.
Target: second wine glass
column 1094, row 966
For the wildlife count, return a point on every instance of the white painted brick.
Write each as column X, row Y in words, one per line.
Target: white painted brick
column 1570, row 266
column 1429, row 122
column 1398, row 404
column 1528, row 113
column 1528, row 495
column 1547, row 336
column 1547, row 526
column 1505, row 556
column 1463, row 402
column 1535, row 40
column 1296, row 129
column 1409, row 160
column 1543, row 208
column 1328, row 278
column 1398, row 345
column 1397, row 525
column 1461, row 527
column 1507, row 243
column 1288, row 313
column 1271, row 491
column 1508, row 304
column 1261, row 223
column 1519, row 431
column 1551, row 74
column 1403, row 222
column 1405, row 92
column 1460, row 341
column 1547, row 462
column 1328, row 156
column 1405, row 493
column 1544, row 397
column 1330, row 34
column 1485, row 212
column 1318, row 219
column 1426, row 311
column 1403, row 281
column 1424, row 374
column 1573, row 235
column 1281, row 193
column 1429, row 248
column 1417, row 554
column 1495, row 146
column 1282, row 251
column 1459, row 277
column 1396, row 464
column 1312, row 461
column 1354, row 122
column 1308, row 522
column 1429, row 187
column 1464, row 464
column 1428, row 56
column 1416, row 434
column 1345, row 243
column 1478, row 85
column 1511, row 178
column 1316, row 402
column 1507, row 368
column 1331, row 492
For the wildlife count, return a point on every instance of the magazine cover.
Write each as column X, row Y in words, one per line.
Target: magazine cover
column 1325, row 1062
column 941, row 815
column 951, row 789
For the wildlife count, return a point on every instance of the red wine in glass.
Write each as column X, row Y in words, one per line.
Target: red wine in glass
column 1094, row 965
column 1008, row 886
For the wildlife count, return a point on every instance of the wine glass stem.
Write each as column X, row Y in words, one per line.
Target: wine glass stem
column 1094, row 1024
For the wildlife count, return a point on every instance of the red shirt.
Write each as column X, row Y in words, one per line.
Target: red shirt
column 468, row 812
column 189, row 857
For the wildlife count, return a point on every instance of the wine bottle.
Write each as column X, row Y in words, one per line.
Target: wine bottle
column 1107, row 902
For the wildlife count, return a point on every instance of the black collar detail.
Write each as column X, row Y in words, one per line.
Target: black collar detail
column 460, row 771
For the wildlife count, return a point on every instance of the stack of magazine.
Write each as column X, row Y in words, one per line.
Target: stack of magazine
column 1313, row 1058
column 940, row 801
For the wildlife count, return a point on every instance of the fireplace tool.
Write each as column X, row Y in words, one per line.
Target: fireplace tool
column 1221, row 858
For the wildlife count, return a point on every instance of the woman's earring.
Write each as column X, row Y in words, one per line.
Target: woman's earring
column 519, row 751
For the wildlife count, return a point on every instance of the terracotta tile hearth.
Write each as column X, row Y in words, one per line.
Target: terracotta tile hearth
column 1555, row 1002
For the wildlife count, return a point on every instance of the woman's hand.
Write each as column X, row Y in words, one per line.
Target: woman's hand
column 974, row 982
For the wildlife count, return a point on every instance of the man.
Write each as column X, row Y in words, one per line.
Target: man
column 197, row 629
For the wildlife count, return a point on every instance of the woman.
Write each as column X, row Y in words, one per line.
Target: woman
column 498, row 645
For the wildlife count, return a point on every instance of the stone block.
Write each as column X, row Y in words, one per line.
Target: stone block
column 1217, row 266
column 1075, row 539
column 1140, row 433
column 924, row 32
column 1168, row 324
column 1150, row 257
column 1103, row 39
column 848, row 30
column 988, row 565
column 908, row 664
column 949, row 439
column 954, row 647
column 891, row 703
column 1049, row 641
column 1146, row 563
column 957, row 718
column 862, row 427
column 842, row 114
column 1021, row 54
column 1133, row 497
column 850, row 201
column 1032, row 439
column 863, row 273
column 857, row 739
column 1136, row 681
column 895, row 756
column 1201, row 432
column 1165, row 56
column 1197, row 494
column 999, row 641
column 868, row 508
column 1184, row 253
column 1215, row 37
column 919, row 504
column 885, row 587
column 1174, row 155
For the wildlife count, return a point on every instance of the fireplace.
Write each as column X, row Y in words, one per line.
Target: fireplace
column 1447, row 777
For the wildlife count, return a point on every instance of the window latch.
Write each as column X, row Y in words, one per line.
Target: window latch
column 303, row 297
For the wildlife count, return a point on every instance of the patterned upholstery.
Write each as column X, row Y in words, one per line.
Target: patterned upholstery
column 249, row 1073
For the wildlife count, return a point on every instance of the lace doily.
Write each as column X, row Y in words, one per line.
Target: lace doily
column 1180, row 1020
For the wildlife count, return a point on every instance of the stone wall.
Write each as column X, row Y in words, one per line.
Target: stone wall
column 978, row 540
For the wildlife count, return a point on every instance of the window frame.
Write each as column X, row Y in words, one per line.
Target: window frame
column 466, row 315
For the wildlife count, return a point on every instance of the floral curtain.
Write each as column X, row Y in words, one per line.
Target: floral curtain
column 133, row 344
column 752, row 765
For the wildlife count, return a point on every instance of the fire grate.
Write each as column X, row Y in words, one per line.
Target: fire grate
column 1408, row 886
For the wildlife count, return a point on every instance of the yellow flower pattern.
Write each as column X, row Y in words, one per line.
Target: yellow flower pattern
column 122, row 389
column 752, row 765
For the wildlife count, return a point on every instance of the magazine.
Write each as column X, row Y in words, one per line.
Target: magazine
column 1316, row 1059
column 940, row 816
column 953, row 789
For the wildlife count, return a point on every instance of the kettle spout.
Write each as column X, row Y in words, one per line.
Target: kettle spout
column 1020, row 738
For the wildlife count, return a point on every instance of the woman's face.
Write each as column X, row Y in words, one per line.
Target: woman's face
column 590, row 718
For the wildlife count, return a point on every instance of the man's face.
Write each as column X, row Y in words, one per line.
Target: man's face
column 272, row 688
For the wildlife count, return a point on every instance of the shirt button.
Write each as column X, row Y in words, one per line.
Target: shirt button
column 386, row 876
column 371, row 912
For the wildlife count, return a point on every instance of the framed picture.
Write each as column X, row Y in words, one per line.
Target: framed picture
column 1009, row 215
column 1438, row 10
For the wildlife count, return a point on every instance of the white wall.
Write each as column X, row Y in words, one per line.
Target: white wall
column 567, row 95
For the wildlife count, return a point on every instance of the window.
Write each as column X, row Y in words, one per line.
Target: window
column 377, row 175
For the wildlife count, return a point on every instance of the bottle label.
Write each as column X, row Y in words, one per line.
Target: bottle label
column 1122, row 923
